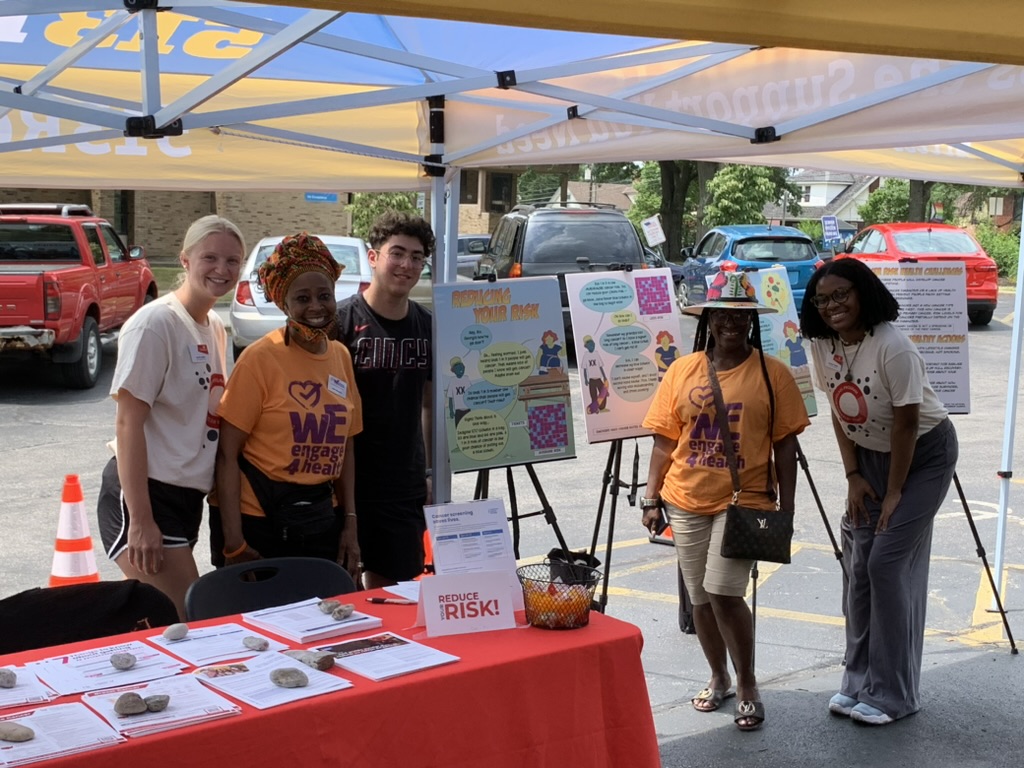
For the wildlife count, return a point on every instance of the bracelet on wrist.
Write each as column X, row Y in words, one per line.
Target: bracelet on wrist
column 237, row 552
column 851, row 473
column 429, row 473
column 350, row 514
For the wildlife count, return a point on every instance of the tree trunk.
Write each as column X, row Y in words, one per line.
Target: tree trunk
column 920, row 196
column 705, row 172
column 676, row 176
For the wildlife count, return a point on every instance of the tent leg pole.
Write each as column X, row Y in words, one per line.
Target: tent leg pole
column 1010, row 420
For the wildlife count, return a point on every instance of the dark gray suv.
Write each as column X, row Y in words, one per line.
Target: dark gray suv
column 555, row 238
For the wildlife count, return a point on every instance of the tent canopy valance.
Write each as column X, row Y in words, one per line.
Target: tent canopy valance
column 273, row 97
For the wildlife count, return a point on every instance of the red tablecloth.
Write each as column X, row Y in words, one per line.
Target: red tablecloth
column 519, row 698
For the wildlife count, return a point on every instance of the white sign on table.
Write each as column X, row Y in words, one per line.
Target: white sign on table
column 455, row 604
column 473, row 537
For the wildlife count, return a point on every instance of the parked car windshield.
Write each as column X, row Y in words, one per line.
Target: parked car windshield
column 564, row 239
column 923, row 241
column 347, row 255
column 774, row 250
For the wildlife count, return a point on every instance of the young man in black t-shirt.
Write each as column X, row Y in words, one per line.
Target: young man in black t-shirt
column 389, row 337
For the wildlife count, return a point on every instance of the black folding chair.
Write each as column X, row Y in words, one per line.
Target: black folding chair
column 38, row 618
column 263, row 584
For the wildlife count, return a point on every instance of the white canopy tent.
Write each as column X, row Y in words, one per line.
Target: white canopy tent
column 212, row 94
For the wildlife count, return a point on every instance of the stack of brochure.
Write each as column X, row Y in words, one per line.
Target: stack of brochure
column 28, row 690
column 383, row 656
column 249, row 680
column 304, row 622
column 208, row 645
column 190, row 703
column 61, row 730
column 92, row 671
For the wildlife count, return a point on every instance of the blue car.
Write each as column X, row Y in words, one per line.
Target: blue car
column 747, row 247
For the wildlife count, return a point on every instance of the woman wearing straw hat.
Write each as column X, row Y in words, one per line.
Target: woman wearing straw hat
column 167, row 384
column 287, row 415
column 689, row 474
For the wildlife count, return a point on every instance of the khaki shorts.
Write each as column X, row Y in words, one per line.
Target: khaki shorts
column 698, row 540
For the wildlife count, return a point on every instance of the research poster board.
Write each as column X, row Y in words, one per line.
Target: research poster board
column 626, row 331
column 933, row 313
column 506, row 382
column 780, row 330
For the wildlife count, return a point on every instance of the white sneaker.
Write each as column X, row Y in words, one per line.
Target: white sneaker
column 865, row 713
column 841, row 704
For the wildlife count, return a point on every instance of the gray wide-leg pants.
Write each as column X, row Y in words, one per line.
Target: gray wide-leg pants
column 888, row 591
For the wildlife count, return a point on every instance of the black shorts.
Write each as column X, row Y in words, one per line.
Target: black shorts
column 391, row 537
column 177, row 512
column 260, row 534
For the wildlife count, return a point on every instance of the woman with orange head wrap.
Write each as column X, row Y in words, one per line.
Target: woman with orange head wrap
column 290, row 408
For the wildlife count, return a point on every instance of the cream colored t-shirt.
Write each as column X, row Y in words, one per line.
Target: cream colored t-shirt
column 175, row 365
column 887, row 370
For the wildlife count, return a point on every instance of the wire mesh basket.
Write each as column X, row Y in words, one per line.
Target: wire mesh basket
column 558, row 595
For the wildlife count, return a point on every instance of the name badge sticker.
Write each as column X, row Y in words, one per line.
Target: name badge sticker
column 834, row 363
column 200, row 353
column 337, row 386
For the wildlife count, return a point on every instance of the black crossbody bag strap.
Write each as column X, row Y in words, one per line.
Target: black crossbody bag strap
column 726, row 433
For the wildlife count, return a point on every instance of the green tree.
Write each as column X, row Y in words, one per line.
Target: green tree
column 648, row 194
column 739, row 193
column 890, row 202
column 367, row 206
column 609, row 173
column 813, row 230
column 667, row 187
column 533, row 187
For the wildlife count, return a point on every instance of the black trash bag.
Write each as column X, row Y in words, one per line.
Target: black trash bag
column 566, row 571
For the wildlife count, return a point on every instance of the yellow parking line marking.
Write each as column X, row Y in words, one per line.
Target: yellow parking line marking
column 986, row 626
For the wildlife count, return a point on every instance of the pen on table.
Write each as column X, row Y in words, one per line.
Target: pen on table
column 390, row 601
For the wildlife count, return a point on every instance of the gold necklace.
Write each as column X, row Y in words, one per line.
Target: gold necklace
column 849, row 362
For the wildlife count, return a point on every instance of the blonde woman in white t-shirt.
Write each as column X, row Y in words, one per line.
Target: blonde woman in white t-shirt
column 899, row 451
column 168, row 381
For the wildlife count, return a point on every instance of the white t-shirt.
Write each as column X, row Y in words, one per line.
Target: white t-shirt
column 590, row 365
column 887, row 370
column 456, row 391
column 176, row 366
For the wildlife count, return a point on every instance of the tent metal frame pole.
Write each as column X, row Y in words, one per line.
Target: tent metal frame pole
column 1006, row 461
column 439, row 222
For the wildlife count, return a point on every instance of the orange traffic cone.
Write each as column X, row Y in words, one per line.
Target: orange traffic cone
column 73, row 558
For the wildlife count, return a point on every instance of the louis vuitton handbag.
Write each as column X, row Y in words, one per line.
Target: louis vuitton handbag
column 750, row 534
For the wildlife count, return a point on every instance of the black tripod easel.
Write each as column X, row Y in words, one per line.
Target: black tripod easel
column 482, row 490
column 610, row 485
column 984, row 560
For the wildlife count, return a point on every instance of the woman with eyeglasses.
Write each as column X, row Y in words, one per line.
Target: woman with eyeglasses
column 689, row 475
column 899, row 450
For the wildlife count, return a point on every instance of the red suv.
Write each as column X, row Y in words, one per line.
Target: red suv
column 922, row 241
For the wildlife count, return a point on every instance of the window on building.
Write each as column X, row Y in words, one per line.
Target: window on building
column 501, row 192
column 122, row 213
column 995, row 206
column 469, row 187
column 807, row 194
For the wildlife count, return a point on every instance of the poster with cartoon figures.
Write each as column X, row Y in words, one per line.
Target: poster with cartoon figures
column 506, row 382
column 626, row 330
column 780, row 330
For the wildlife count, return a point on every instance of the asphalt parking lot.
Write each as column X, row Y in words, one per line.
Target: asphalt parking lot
column 970, row 679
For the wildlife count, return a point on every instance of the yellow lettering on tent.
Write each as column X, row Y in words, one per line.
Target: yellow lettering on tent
column 166, row 26
column 223, row 43
column 69, row 28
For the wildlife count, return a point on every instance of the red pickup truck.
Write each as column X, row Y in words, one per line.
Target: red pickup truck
column 66, row 278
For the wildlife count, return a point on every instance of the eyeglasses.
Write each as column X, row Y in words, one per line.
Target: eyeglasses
column 398, row 256
column 728, row 317
column 839, row 296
